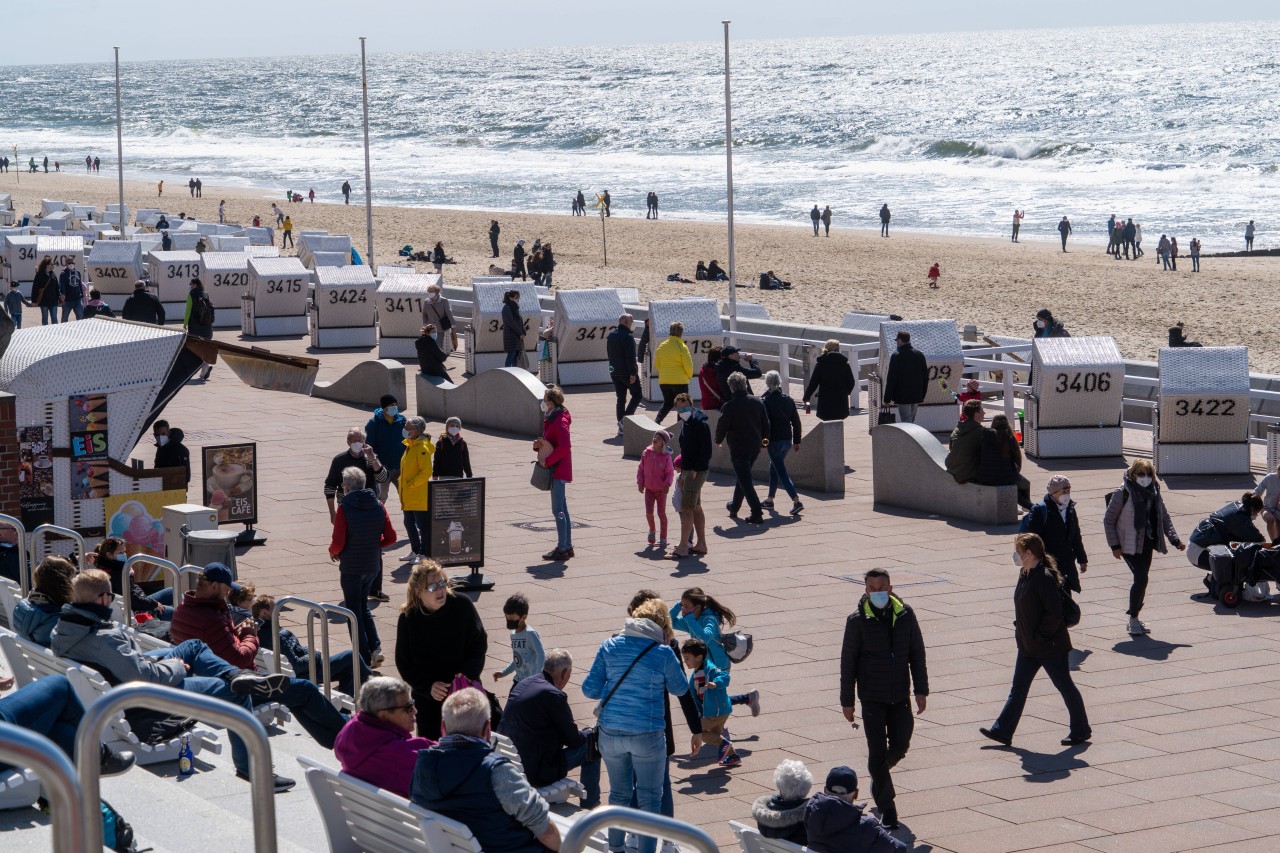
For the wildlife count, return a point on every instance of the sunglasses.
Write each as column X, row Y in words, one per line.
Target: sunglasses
column 409, row 707
column 436, row 586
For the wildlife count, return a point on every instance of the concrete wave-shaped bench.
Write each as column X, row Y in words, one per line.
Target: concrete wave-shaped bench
column 365, row 384
column 909, row 470
column 818, row 465
column 504, row 398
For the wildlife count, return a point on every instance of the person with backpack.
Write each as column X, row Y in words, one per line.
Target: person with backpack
column 1042, row 619
column 1054, row 520
column 703, row 618
column 1137, row 524
column 199, row 317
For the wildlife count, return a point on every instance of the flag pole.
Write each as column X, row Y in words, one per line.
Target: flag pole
column 368, row 182
column 119, row 146
column 728, row 159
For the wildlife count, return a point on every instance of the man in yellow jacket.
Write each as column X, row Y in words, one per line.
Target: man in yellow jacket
column 415, row 473
column 675, row 368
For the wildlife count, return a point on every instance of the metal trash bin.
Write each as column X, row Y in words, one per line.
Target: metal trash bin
column 202, row 547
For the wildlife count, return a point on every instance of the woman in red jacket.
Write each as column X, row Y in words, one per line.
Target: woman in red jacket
column 708, row 383
column 554, row 451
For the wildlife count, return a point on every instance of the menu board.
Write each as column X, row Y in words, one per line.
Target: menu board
column 87, row 422
column 456, row 511
column 35, row 475
column 230, row 482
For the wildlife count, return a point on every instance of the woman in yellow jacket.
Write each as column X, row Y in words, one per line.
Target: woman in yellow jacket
column 415, row 473
column 675, row 368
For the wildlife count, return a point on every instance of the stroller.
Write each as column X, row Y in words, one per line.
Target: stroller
column 1232, row 568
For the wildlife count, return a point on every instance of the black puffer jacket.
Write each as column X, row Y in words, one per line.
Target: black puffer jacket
column 744, row 423
column 832, row 380
column 1000, row 460
column 1037, row 605
column 883, row 655
column 512, row 326
column 908, row 377
column 1232, row 523
column 1062, row 539
column 784, row 420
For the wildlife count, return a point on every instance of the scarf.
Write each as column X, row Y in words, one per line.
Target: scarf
column 1143, row 500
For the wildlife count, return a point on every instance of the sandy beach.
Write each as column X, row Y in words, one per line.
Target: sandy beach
column 991, row 282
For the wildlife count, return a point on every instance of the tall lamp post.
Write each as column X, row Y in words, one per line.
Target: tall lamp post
column 368, row 182
column 728, row 165
column 119, row 146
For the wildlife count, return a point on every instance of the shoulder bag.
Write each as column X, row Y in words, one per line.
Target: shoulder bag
column 593, row 734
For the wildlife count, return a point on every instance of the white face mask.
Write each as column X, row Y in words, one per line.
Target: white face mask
column 433, row 296
column 545, row 406
column 1145, row 482
column 1017, row 558
column 684, row 416
column 1039, row 324
column 1063, row 499
column 356, row 447
column 454, row 430
column 879, row 600
column 405, row 433
column 162, row 440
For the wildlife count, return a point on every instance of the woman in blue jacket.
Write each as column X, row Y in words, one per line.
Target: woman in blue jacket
column 628, row 676
column 703, row 618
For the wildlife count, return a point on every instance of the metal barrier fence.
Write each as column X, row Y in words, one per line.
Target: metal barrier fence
column 23, row 748
column 642, row 823
column 321, row 611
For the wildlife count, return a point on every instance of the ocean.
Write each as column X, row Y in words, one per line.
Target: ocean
column 1167, row 124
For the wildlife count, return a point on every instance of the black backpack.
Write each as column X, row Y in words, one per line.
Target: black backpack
column 202, row 313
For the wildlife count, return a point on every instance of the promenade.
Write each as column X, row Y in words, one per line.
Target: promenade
column 1184, row 754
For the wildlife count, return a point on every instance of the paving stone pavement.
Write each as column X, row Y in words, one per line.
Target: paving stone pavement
column 1184, row 756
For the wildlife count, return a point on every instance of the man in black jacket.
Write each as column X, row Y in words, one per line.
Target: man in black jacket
column 431, row 359
column 358, row 455
column 695, row 461
column 881, row 662
column 540, row 723
column 621, row 347
column 734, row 360
column 908, row 379
column 745, row 423
column 173, row 453
column 143, row 306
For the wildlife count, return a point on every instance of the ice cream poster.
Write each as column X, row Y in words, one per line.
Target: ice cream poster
column 87, row 422
column 137, row 518
column 230, row 481
column 35, row 475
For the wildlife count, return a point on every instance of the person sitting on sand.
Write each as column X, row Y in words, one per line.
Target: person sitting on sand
column 769, row 281
column 494, row 269
column 700, row 274
column 714, row 273
column 933, row 276
column 1178, row 337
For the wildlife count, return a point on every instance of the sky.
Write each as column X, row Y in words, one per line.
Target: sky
column 86, row 30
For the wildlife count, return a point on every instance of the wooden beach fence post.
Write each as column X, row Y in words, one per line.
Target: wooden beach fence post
column 604, row 239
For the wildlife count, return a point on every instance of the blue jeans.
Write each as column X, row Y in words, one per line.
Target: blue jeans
column 209, row 678
column 668, row 802
column 48, row 315
column 1024, row 672
column 590, row 776
column 17, row 319
column 560, row 509
column 907, row 413
column 512, row 357
column 76, row 307
column 355, row 597
column 417, row 523
column 341, row 670
column 313, row 712
column 50, row 707
column 778, row 449
column 635, row 763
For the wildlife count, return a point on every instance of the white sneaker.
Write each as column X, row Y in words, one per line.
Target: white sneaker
column 632, row 843
column 1137, row 628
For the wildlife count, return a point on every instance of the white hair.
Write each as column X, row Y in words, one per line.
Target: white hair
column 353, row 479
column 792, row 779
column 557, row 661
column 773, row 380
column 738, row 382
column 382, row 693
column 466, row 712
column 418, row 423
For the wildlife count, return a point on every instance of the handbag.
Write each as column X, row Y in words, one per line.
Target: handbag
column 887, row 416
column 522, row 359
column 541, row 477
column 1070, row 609
column 446, row 322
column 605, row 701
column 453, row 337
column 591, row 737
column 738, row 646
column 461, row 682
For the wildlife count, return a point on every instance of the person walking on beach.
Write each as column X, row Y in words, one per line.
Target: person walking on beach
column 191, row 186
column 882, row 662
column 648, row 205
column 46, row 165
column 934, row 273
column 884, row 220
column 1064, row 228
column 222, row 211
column 311, row 195
column 160, row 189
column 608, row 202
column 1137, row 241
column 1127, row 238
column 199, row 188
column 494, row 231
column 346, row 192
column 275, row 208
column 1017, row 223
column 1112, row 240
column 517, row 263
column 815, row 216
column 286, row 234
column 826, row 220
column 1195, row 254
column 1173, row 253
column 97, row 164
column 1249, row 231
column 1162, row 251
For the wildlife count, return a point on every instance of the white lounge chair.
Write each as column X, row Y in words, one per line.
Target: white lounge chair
column 558, row 792
column 751, row 841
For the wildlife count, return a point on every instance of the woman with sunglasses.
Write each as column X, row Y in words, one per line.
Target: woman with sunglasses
column 377, row 745
column 439, row 636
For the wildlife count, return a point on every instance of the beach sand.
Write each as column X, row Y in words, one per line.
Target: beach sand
column 991, row 282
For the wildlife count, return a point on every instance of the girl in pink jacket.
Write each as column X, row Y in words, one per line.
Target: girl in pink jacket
column 654, row 476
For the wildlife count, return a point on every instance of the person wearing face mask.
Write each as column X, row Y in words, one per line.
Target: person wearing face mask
column 360, row 532
column 1046, row 326
column 1054, row 520
column 1232, row 523
column 1043, row 641
column 882, row 663
column 513, row 330
column 437, row 312
column 1137, row 524
column 384, row 433
column 415, row 473
column 555, row 452
column 695, row 452
column 171, row 452
column 431, row 358
column 452, row 458
column 357, row 454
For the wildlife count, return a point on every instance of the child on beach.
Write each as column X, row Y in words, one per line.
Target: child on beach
column 527, row 656
column 702, row 617
column 933, row 276
column 654, row 477
column 709, row 685
column 970, row 392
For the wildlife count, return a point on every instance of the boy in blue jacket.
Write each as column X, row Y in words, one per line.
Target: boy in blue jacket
column 709, row 686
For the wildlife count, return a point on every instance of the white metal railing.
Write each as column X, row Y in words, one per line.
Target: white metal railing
column 24, row 558
column 642, row 823
column 38, row 536
column 57, row 776
column 170, row 570
column 318, row 611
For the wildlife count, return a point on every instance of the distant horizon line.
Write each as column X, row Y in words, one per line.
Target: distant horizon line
column 355, row 51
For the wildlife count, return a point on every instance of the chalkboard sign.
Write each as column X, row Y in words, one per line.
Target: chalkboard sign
column 456, row 510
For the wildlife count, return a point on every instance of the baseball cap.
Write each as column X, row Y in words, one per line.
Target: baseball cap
column 842, row 780
column 219, row 573
column 729, row 350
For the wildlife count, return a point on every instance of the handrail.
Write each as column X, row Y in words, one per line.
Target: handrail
column 169, row 568
column 158, row 697
column 57, row 775
column 181, row 588
column 642, row 823
column 24, row 558
column 317, row 610
column 37, row 539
